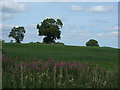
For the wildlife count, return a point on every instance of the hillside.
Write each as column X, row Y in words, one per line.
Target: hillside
column 60, row 52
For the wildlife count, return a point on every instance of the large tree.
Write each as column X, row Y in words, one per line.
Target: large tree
column 50, row 28
column 17, row 33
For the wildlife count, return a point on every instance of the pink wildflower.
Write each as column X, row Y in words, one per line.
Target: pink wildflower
column 58, row 65
column 66, row 69
column 79, row 64
column 63, row 64
column 69, row 63
column 34, row 63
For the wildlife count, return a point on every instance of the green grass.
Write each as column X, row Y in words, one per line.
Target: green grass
column 60, row 52
column 98, row 55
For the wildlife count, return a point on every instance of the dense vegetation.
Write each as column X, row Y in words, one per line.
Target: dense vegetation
column 36, row 65
column 51, row 74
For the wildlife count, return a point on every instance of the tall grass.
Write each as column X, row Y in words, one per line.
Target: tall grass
column 52, row 74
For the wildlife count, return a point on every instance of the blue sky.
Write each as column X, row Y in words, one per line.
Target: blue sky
column 82, row 21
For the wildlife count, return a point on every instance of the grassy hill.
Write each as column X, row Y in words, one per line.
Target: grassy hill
column 61, row 52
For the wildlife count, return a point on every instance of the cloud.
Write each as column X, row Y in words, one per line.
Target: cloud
column 112, row 28
column 99, row 21
column 4, row 27
column 69, row 26
column 32, row 26
column 76, row 33
column 6, row 16
column 93, row 25
column 101, row 8
column 76, row 8
column 110, row 34
column 12, row 7
column 9, row 8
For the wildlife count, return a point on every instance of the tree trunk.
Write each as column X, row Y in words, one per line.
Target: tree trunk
column 18, row 41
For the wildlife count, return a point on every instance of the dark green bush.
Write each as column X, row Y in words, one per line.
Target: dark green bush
column 92, row 42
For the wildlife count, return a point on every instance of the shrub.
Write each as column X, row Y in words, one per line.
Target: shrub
column 31, row 42
column 92, row 42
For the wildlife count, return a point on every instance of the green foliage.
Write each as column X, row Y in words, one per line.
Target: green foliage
column 51, row 74
column 50, row 29
column 92, row 42
column 17, row 33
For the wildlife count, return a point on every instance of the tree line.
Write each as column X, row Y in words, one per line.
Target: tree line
column 50, row 28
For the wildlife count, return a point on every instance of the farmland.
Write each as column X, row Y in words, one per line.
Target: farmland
column 60, row 66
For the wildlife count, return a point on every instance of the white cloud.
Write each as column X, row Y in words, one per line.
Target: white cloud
column 69, row 26
column 32, row 26
column 110, row 34
column 93, row 25
column 6, row 16
column 12, row 7
column 76, row 8
column 112, row 28
column 9, row 8
column 101, row 8
column 76, row 33
column 6, row 26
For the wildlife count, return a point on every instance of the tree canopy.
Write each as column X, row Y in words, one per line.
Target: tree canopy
column 92, row 42
column 50, row 28
column 17, row 33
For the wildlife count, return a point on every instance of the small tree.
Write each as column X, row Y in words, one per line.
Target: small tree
column 17, row 33
column 92, row 42
column 50, row 28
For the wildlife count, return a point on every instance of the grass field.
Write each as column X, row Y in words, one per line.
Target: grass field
column 98, row 66
column 101, row 56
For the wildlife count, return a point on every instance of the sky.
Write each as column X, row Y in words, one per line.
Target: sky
column 82, row 21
